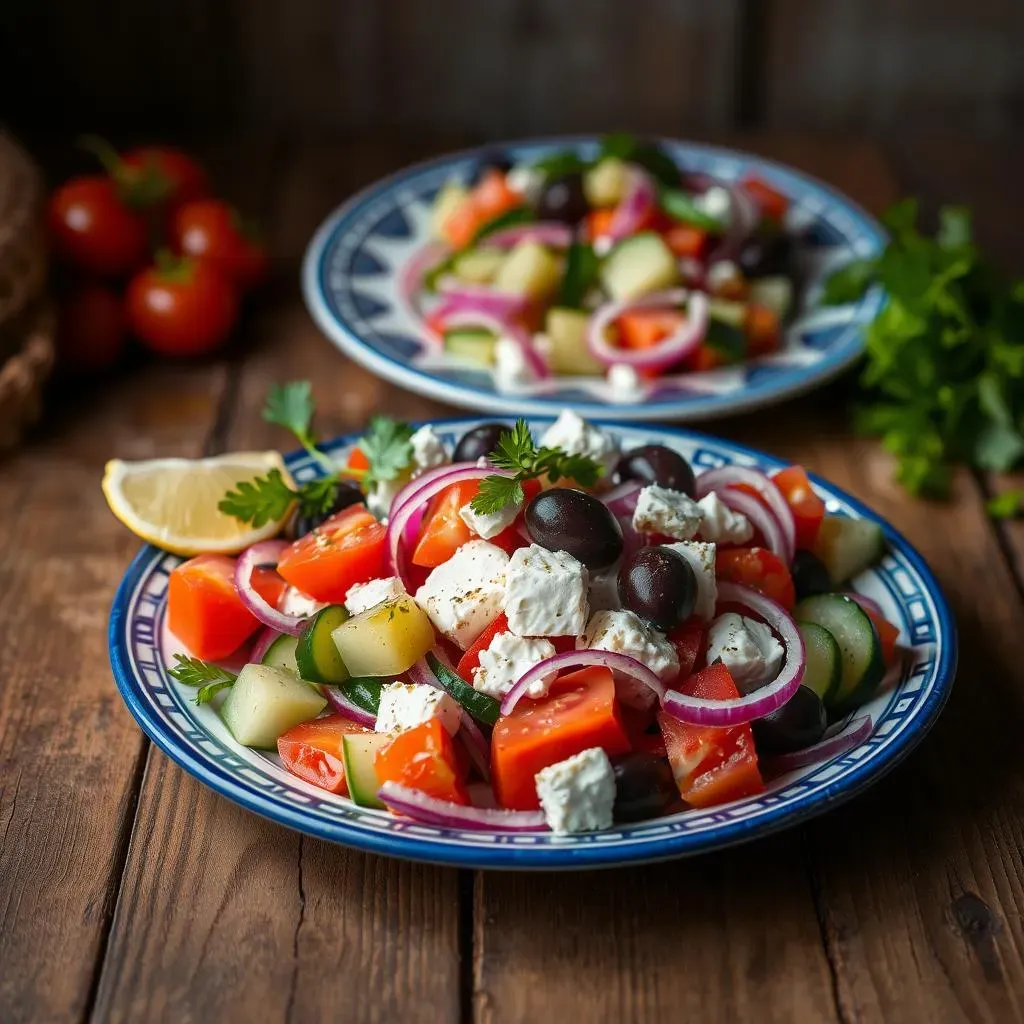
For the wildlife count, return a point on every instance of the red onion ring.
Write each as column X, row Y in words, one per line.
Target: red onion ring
column 665, row 353
column 620, row 663
column 420, row 673
column 743, row 218
column 445, row 814
column 701, row 711
column 417, row 483
column 547, row 232
column 636, row 205
column 759, row 516
column 727, row 476
column 340, row 703
column 476, row 744
column 867, row 603
column 410, row 279
column 621, row 500
column 856, row 732
column 477, row 298
column 265, row 553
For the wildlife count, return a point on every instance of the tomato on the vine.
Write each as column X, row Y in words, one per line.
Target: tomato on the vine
column 211, row 230
column 91, row 328
column 178, row 178
column 181, row 307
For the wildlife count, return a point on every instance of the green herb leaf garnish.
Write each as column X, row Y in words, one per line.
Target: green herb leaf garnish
column 210, row 678
column 387, row 446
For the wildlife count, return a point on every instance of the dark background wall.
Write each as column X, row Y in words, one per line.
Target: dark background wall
column 494, row 68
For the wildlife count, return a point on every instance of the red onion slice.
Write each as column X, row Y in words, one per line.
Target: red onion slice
column 671, row 350
column 547, row 232
column 867, row 603
column 620, row 663
column 759, row 516
column 431, row 811
column 728, row 476
column 636, row 205
column 507, row 329
column 340, row 703
column 856, row 732
column 420, row 673
column 417, row 483
column 701, row 711
column 265, row 553
column 476, row 744
column 621, row 500
column 477, row 298
column 410, row 279
column 743, row 218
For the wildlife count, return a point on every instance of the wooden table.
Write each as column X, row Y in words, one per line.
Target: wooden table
column 128, row 892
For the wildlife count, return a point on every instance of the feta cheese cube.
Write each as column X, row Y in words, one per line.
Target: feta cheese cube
column 660, row 510
column 578, row 794
column 721, row 524
column 528, row 181
column 511, row 369
column 747, row 648
column 506, row 660
column 406, row 705
column 382, row 493
column 574, row 435
column 715, row 202
column 545, row 593
column 624, row 382
column 294, row 602
column 463, row 596
column 428, row 450
column 701, row 557
column 721, row 273
column 489, row 524
column 603, row 594
column 625, row 633
column 364, row 596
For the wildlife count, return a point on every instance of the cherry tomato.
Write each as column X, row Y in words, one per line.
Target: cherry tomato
column 178, row 178
column 759, row 569
column 808, row 509
column 91, row 328
column 92, row 229
column 211, row 230
column 181, row 307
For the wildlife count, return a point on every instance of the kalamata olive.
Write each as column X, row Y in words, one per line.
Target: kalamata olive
column 564, row 519
column 659, row 585
column 479, row 442
column 767, row 256
column 656, row 464
column 809, row 574
column 348, row 493
column 644, row 787
column 799, row 723
column 563, row 200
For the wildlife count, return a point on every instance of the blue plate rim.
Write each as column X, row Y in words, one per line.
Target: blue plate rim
column 708, row 407
column 426, row 850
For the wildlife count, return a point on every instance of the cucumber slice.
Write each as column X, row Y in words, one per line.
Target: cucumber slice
column 281, row 653
column 357, row 753
column 639, row 265
column 848, row 546
column 478, row 266
column 364, row 692
column 823, row 671
column 728, row 311
column 530, row 269
column 567, row 332
column 861, row 664
column 471, row 344
column 316, row 655
column 266, row 702
column 604, row 184
column 481, row 706
column 774, row 292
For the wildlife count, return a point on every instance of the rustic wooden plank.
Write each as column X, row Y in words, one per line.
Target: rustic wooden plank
column 226, row 916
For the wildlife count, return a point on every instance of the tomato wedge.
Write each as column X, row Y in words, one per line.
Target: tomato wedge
column 443, row 531
column 807, row 508
column 759, row 569
column 423, row 758
column 644, row 328
column 687, row 241
column 763, row 330
column 471, row 658
column 344, row 550
column 772, row 202
column 711, row 765
column 312, row 751
column 690, row 641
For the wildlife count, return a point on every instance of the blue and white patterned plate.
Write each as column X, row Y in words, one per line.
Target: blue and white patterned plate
column 141, row 648
column 353, row 283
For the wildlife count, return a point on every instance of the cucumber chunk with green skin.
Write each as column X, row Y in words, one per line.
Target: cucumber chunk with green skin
column 481, row 706
column 364, row 692
column 471, row 344
column 848, row 546
column 823, row 669
column 316, row 655
column 639, row 265
column 478, row 266
column 266, row 702
column 281, row 653
column 861, row 663
column 357, row 753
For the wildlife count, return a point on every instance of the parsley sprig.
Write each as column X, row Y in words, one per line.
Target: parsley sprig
column 291, row 406
column 209, row 678
column 387, row 445
column 517, row 453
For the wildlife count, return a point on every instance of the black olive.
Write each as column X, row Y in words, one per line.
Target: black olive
column 564, row 200
column 479, row 442
column 564, row 519
column 767, row 255
column 644, row 787
column 799, row 723
column 810, row 576
column 348, row 493
column 659, row 585
column 656, row 464
column 492, row 160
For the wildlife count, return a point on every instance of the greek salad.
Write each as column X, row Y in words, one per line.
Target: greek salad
column 526, row 633
column 623, row 266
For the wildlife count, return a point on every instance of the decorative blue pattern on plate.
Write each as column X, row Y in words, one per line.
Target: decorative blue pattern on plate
column 141, row 647
column 351, row 270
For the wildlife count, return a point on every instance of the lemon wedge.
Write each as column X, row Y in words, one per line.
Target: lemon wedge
column 172, row 503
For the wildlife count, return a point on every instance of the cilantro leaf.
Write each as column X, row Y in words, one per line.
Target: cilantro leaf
column 291, row 406
column 495, row 492
column 1007, row 505
column 849, row 282
column 316, row 497
column 210, row 678
column 680, row 206
column 259, row 501
column 387, row 445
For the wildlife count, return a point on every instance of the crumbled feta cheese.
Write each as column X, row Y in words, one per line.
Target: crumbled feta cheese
column 575, row 436
column 382, row 493
column 603, row 594
column 463, row 596
column 721, row 273
column 668, row 513
column 428, row 450
column 507, row 659
column 527, row 181
column 602, row 245
column 715, row 202
column 546, row 593
column 489, row 524
column 294, row 602
column 701, row 557
column 510, row 366
column 625, row 633
column 624, row 381
column 578, row 794
column 747, row 648
column 363, row 596
column 406, row 705
column 721, row 524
